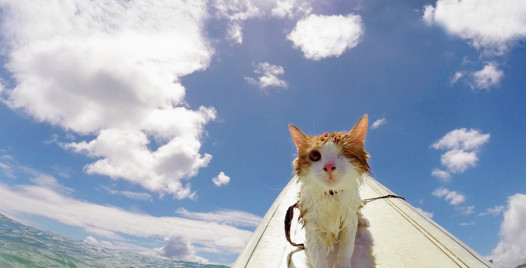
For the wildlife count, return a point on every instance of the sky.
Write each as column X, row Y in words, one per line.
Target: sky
column 162, row 126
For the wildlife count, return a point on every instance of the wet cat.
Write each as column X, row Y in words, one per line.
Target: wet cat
column 330, row 170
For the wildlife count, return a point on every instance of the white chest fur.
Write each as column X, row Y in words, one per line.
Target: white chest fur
column 327, row 217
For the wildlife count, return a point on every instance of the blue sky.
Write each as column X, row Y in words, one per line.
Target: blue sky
column 159, row 125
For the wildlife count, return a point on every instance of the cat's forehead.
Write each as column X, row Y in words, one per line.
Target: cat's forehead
column 330, row 148
column 335, row 137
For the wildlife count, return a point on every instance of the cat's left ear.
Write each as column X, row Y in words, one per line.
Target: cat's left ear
column 359, row 130
column 299, row 138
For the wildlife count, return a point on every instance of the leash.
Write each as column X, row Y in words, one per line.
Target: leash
column 288, row 218
column 367, row 200
column 290, row 215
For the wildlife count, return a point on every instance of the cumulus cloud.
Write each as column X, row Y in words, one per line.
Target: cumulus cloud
column 319, row 36
column 488, row 77
column 462, row 139
column 239, row 11
column 221, row 179
column 511, row 249
column 452, row 197
column 114, row 78
column 95, row 219
column 488, row 25
column 268, row 76
column 462, row 147
column 441, row 174
column 378, row 123
column 457, row 161
column 179, row 248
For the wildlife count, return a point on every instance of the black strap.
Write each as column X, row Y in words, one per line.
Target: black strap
column 288, row 219
column 367, row 200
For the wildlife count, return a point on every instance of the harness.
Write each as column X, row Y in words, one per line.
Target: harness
column 290, row 215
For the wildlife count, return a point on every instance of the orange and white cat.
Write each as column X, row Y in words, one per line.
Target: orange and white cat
column 330, row 170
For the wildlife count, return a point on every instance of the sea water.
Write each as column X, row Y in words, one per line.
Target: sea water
column 25, row 246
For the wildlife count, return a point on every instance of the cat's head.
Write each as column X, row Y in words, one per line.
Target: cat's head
column 332, row 160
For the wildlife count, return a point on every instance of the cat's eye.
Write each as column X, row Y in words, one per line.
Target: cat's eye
column 314, row 156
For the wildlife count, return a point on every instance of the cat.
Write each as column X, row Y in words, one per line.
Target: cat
column 330, row 170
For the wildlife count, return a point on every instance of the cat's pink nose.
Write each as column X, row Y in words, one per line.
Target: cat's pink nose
column 329, row 167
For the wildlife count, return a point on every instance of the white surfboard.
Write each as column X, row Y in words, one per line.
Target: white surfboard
column 403, row 237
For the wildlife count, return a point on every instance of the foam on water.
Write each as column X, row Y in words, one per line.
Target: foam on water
column 25, row 246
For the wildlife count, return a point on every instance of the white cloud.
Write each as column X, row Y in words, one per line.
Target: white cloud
column 494, row 211
column 229, row 217
column 467, row 210
column 114, row 78
column 7, row 170
column 462, row 139
column 129, row 194
column 441, row 174
column 456, row 77
column 221, row 179
column 50, row 182
column 124, row 154
column 94, row 242
column 100, row 219
column 378, row 123
column 425, row 213
column 235, row 33
column 488, row 77
column 319, row 36
column 511, row 249
column 180, row 249
column 239, row 11
column 462, row 146
column 489, row 25
column 268, row 76
column 119, row 245
column 457, row 161
column 470, row 223
column 452, row 197
column 10, row 167
column 292, row 8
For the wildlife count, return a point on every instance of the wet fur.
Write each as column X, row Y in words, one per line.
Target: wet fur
column 329, row 202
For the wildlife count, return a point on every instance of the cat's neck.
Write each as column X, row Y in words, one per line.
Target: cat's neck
column 319, row 193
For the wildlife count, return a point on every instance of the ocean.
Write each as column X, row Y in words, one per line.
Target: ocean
column 25, row 246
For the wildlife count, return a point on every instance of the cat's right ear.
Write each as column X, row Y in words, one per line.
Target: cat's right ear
column 299, row 138
column 359, row 131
